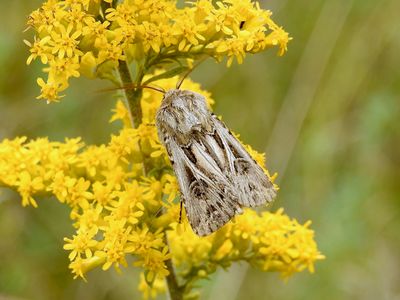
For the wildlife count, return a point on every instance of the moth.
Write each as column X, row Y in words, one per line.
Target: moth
column 216, row 175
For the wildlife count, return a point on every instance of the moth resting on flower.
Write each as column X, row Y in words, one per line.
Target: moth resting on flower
column 216, row 175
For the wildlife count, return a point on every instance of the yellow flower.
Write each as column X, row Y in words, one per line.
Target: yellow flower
column 102, row 194
column 128, row 205
column 152, row 188
column 223, row 19
column 115, row 242
column 143, row 239
column 166, row 36
column 154, row 261
column 61, row 69
column 40, row 49
column 65, row 43
column 82, row 243
column 170, row 187
column 224, row 250
column 110, row 51
column 116, row 176
column 123, row 14
column 150, row 33
column 90, row 219
column 47, row 17
column 50, row 90
column 94, row 159
column 76, row 14
column 189, row 250
column 94, row 28
column 28, row 186
column 150, row 36
column 189, row 33
column 78, row 194
column 123, row 145
column 126, row 34
column 121, row 113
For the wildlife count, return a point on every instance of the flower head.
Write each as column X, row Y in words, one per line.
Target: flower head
column 152, row 33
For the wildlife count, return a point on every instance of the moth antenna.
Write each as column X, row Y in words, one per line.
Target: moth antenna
column 132, row 86
column 158, row 89
column 178, row 85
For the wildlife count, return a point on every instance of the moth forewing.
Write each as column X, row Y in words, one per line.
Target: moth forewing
column 216, row 175
column 255, row 186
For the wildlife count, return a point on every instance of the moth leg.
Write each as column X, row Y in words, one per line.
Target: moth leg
column 159, row 212
column 180, row 212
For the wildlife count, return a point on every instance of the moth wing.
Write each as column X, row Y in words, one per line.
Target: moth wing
column 254, row 185
column 208, row 196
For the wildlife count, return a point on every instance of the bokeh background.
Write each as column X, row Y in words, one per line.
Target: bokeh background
column 327, row 115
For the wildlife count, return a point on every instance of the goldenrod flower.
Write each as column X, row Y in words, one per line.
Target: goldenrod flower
column 50, row 90
column 40, row 49
column 120, row 209
column 151, row 32
column 81, row 244
column 28, row 186
column 123, row 196
column 65, row 42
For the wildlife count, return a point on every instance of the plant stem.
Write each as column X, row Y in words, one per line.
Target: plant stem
column 175, row 291
column 133, row 97
column 132, row 94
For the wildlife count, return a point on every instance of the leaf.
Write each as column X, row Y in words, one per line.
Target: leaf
column 167, row 74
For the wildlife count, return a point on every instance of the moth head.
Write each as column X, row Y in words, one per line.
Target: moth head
column 185, row 102
column 183, row 111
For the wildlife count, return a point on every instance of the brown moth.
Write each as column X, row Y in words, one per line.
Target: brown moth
column 216, row 175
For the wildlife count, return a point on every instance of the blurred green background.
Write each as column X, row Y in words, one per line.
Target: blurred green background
column 326, row 114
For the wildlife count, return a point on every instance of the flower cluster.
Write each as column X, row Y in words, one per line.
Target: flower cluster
column 123, row 195
column 119, row 209
column 91, row 37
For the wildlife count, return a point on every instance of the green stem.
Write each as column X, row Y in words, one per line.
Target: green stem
column 175, row 291
column 133, row 97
